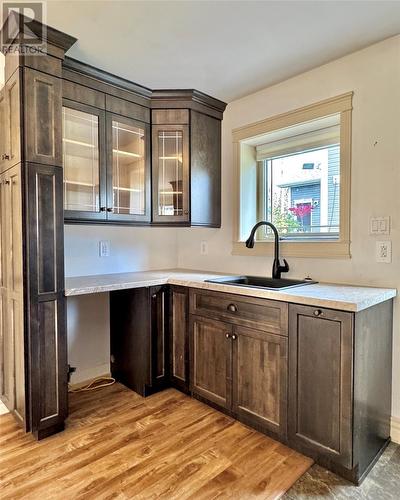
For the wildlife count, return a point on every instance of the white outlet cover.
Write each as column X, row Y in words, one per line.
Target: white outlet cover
column 104, row 248
column 384, row 251
column 203, row 248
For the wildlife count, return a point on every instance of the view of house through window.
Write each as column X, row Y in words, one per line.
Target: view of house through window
column 291, row 177
column 301, row 192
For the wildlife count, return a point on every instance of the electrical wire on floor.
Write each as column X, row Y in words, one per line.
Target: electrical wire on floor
column 96, row 383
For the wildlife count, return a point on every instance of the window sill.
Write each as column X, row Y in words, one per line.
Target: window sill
column 307, row 249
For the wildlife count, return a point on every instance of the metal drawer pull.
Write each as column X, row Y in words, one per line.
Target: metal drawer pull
column 5, row 157
column 109, row 209
column 232, row 308
column 102, row 209
column 227, row 335
column 317, row 312
column 234, row 337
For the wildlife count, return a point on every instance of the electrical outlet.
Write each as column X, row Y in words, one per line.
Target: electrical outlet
column 203, row 248
column 104, row 248
column 384, row 251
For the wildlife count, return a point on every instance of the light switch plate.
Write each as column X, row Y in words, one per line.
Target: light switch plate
column 384, row 251
column 104, row 248
column 379, row 225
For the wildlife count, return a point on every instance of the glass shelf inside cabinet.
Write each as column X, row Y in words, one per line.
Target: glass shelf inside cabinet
column 170, row 173
column 81, row 161
column 129, row 176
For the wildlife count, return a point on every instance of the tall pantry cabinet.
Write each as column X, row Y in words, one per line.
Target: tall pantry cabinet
column 32, row 315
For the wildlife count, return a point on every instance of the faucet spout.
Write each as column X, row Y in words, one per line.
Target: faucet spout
column 277, row 269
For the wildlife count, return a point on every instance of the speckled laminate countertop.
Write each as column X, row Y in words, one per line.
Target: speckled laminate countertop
column 341, row 297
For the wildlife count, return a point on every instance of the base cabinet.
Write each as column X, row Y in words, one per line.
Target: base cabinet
column 320, row 393
column 340, row 370
column 139, row 338
column 179, row 337
column 259, row 379
column 241, row 370
column 211, row 361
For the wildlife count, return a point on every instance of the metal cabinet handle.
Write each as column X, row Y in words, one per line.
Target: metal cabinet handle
column 227, row 335
column 318, row 312
column 102, row 209
column 5, row 157
column 154, row 296
column 232, row 308
column 109, row 209
column 7, row 181
column 234, row 337
column 186, row 212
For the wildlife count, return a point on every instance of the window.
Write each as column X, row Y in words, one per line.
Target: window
column 294, row 171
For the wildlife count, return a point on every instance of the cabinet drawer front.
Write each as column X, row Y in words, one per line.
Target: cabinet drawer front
column 320, row 384
column 261, row 314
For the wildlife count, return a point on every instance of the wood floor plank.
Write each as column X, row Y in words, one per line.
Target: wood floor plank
column 119, row 445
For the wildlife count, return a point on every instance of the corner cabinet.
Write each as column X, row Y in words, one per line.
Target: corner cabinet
column 186, row 168
column 139, row 338
column 170, row 173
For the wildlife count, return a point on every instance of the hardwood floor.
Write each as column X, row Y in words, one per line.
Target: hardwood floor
column 120, row 445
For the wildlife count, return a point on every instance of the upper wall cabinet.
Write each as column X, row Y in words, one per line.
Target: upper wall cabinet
column 132, row 155
column 186, row 167
column 170, row 166
column 84, row 161
column 106, row 160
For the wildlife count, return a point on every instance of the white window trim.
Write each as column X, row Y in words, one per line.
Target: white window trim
column 339, row 248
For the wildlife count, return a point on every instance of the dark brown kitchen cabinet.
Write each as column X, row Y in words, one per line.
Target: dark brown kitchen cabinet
column 43, row 118
column 259, row 379
column 84, row 161
column 12, row 346
column 139, row 338
column 170, row 173
column 320, row 394
column 241, row 369
column 10, row 119
column 186, row 167
column 128, row 169
column 340, row 366
column 106, row 160
column 179, row 337
column 211, row 360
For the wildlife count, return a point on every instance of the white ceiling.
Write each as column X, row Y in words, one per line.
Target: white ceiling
column 225, row 48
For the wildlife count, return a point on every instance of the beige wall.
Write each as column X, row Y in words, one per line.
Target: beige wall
column 374, row 76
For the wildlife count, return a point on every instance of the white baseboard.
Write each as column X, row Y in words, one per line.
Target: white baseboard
column 81, row 376
column 395, row 430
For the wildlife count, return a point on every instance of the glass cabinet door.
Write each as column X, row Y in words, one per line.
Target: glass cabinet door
column 170, row 173
column 83, row 162
column 130, row 175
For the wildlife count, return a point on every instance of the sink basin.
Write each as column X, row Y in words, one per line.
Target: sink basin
column 260, row 282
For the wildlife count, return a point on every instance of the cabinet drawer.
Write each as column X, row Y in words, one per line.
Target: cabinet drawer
column 260, row 314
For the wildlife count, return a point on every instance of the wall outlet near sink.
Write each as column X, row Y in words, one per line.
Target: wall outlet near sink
column 384, row 251
column 203, row 248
